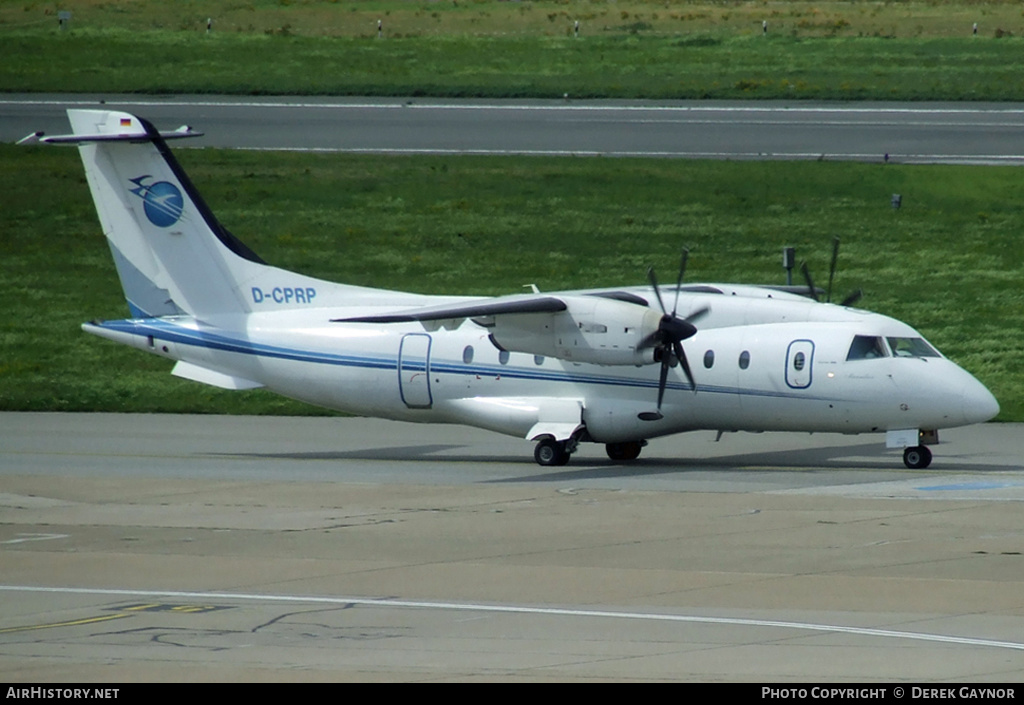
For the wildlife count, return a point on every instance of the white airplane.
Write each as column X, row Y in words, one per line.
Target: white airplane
column 606, row 366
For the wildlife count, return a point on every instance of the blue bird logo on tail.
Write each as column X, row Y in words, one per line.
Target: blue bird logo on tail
column 161, row 201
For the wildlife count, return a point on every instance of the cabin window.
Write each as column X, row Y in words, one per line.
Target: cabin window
column 467, row 354
column 911, row 347
column 744, row 359
column 503, row 357
column 538, row 360
column 799, row 360
column 709, row 359
column 866, row 347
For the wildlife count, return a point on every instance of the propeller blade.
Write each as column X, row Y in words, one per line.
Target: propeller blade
column 654, row 283
column 650, row 341
column 666, row 361
column 679, row 281
column 686, row 368
column 832, row 269
column 853, row 298
column 810, row 282
column 675, row 348
column 698, row 314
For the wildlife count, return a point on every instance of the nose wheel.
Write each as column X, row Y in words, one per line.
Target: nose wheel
column 917, row 457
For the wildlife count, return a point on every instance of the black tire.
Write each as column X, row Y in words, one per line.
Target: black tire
column 917, row 457
column 550, row 453
column 622, row 452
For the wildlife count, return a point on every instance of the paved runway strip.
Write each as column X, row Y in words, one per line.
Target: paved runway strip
column 906, row 132
column 232, row 548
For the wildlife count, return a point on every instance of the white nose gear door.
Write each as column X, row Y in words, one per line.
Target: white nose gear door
column 414, row 371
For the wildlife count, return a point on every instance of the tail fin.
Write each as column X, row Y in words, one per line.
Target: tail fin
column 171, row 253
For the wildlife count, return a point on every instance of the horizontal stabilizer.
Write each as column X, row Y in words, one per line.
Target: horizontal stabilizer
column 127, row 128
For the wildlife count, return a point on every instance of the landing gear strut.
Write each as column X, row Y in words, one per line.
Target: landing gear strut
column 550, row 452
column 917, row 457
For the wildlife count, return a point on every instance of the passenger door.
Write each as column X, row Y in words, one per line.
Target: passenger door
column 414, row 370
column 799, row 364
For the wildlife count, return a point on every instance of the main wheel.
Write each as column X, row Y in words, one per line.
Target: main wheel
column 629, row 450
column 550, row 452
column 917, row 457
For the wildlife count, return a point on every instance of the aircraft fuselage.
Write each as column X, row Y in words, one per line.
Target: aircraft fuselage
column 789, row 375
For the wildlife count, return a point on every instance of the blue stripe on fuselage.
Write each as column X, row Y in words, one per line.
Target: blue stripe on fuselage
column 172, row 332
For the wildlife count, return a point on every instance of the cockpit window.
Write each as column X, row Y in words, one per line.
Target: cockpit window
column 866, row 347
column 912, row 347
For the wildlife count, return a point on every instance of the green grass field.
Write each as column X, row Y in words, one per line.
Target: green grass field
column 627, row 49
column 948, row 262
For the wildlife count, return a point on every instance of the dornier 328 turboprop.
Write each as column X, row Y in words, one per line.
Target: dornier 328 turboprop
column 608, row 366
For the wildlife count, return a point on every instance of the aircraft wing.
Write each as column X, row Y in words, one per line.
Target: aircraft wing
column 471, row 309
column 605, row 328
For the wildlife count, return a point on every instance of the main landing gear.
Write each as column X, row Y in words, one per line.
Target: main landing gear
column 630, row 450
column 552, row 453
column 917, row 457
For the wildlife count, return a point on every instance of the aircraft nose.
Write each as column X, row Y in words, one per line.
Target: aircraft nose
column 979, row 405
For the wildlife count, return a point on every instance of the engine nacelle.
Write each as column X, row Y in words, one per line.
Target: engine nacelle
column 592, row 330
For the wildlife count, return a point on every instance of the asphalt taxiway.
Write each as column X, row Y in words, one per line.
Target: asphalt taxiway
column 188, row 548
